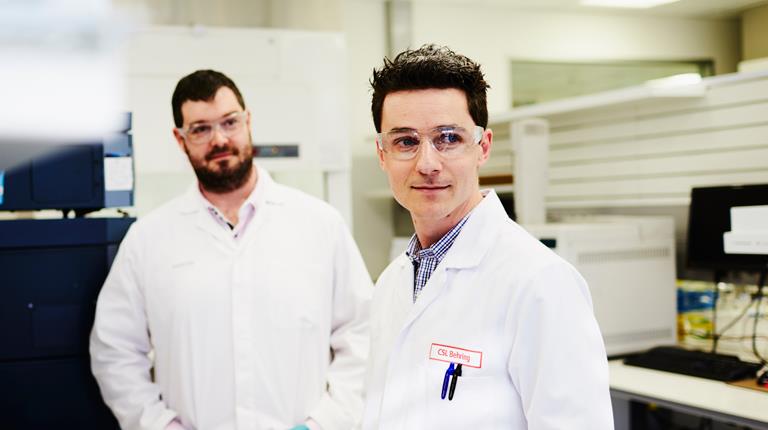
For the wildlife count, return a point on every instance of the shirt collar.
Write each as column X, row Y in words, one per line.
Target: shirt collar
column 249, row 206
column 438, row 249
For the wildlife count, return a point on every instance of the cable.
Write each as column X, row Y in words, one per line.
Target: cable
column 758, row 300
column 743, row 312
column 715, row 297
column 735, row 320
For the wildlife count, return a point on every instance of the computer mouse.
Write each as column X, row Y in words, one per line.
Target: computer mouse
column 762, row 379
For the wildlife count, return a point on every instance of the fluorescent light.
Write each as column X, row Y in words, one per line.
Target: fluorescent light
column 631, row 4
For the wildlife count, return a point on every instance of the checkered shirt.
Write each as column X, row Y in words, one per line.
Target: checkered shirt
column 425, row 261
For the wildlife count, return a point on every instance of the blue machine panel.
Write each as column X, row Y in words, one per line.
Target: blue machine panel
column 52, row 394
column 51, row 272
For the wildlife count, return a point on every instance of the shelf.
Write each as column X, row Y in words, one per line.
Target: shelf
column 682, row 86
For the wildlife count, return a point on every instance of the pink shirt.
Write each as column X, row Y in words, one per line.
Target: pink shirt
column 245, row 214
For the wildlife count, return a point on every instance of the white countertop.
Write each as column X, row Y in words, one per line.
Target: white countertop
column 689, row 391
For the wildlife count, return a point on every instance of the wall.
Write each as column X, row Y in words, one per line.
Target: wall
column 495, row 34
column 364, row 27
column 316, row 15
column 754, row 33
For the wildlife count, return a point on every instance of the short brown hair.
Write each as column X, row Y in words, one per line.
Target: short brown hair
column 201, row 85
column 431, row 66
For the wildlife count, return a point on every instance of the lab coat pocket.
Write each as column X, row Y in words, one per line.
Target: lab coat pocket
column 170, row 286
column 469, row 406
column 293, row 358
column 182, row 272
column 295, row 304
column 194, row 289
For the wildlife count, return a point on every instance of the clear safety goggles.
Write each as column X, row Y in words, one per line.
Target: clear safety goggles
column 202, row 132
column 449, row 142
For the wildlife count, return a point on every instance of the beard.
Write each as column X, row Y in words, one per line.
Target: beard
column 226, row 178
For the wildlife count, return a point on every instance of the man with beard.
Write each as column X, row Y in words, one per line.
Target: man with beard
column 248, row 299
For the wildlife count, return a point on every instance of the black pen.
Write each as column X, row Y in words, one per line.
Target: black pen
column 456, row 374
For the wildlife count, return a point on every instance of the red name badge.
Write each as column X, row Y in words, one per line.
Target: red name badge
column 453, row 354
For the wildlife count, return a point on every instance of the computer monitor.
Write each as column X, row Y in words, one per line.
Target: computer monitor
column 710, row 217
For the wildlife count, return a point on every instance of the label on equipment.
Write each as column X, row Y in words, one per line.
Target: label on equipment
column 118, row 173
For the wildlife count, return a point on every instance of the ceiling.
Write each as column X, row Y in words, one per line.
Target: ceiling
column 681, row 8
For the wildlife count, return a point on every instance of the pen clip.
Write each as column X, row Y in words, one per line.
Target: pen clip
column 448, row 374
column 454, row 379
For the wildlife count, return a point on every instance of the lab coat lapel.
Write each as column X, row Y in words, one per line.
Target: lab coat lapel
column 429, row 293
column 478, row 235
column 467, row 251
column 193, row 208
column 402, row 296
column 267, row 207
column 205, row 222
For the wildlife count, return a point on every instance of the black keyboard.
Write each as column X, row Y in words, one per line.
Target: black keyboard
column 719, row 367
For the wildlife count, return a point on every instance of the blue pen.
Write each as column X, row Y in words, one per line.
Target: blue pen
column 447, row 376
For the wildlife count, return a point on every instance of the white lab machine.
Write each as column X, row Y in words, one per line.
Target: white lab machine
column 629, row 264
column 749, row 230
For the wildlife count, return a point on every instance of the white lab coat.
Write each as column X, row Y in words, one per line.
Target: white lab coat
column 242, row 331
column 500, row 292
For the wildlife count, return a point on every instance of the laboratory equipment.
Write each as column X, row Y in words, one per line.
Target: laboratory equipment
column 629, row 264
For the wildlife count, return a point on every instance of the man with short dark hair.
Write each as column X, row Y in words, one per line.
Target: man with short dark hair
column 252, row 296
column 477, row 324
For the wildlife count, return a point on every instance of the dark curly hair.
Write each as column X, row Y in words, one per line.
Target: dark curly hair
column 431, row 66
column 201, row 85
